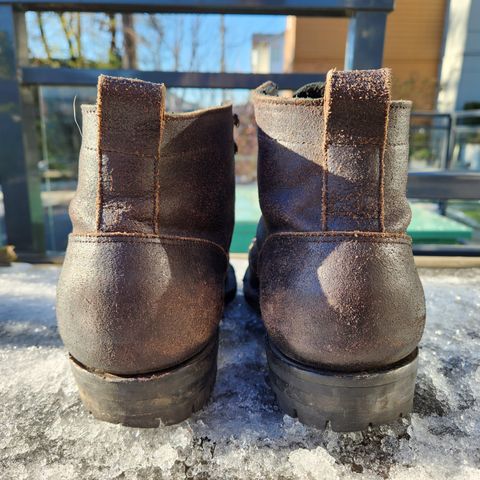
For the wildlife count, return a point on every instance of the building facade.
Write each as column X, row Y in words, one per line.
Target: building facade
column 432, row 46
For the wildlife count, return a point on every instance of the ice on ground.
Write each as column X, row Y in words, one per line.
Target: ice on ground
column 47, row 434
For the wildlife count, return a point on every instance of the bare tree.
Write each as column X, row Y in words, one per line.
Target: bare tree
column 67, row 30
column 155, row 22
column 222, row 51
column 222, row 43
column 178, row 42
column 129, row 57
column 79, row 35
column 113, row 53
column 43, row 37
column 195, row 35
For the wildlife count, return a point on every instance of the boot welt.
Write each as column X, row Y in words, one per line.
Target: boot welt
column 348, row 401
column 147, row 400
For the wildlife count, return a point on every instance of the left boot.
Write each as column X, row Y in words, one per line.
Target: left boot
column 146, row 272
column 332, row 268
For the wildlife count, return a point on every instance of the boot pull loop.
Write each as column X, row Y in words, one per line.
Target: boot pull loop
column 356, row 107
column 131, row 116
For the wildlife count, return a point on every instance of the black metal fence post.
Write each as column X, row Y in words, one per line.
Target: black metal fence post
column 365, row 40
column 19, row 153
column 19, row 174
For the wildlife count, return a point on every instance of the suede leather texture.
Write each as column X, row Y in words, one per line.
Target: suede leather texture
column 131, row 305
column 291, row 167
column 142, row 284
column 128, row 143
column 338, row 285
column 343, row 302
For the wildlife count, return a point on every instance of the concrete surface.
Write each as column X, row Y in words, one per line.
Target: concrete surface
column 46, row 434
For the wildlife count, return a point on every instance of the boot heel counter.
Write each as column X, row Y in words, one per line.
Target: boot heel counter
column 131, row 305
column 349, row 302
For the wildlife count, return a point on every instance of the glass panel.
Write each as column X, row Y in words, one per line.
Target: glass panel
column 429, row 136
column 430, row 226
column 60, row 144
column 467, row 213
column 452, row 222
column 215, row 43
column 466, row 152
column 3, row 231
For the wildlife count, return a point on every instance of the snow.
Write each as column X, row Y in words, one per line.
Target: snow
column 46, row 433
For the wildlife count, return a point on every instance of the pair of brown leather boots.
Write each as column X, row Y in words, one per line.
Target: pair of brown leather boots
column 146, row 272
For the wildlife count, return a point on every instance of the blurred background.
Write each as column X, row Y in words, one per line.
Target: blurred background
column 433, row 48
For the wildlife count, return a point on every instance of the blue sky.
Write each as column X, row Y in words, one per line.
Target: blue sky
column 151, row 54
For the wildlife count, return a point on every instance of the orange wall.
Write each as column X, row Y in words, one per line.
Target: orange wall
column 412, row 47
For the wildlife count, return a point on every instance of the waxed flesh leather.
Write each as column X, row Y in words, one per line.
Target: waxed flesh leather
column 343, row 302
column 131, row 305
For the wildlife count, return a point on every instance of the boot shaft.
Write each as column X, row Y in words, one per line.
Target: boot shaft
column 337, row 163
column 143, row 171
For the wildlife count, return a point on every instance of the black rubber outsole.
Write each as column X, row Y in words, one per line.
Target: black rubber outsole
column 347, row 401
column 167, row 397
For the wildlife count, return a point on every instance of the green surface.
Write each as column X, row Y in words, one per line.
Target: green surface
column 247, row 213
column 427, row 225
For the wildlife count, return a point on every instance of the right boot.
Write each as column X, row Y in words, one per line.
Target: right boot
column 331, row 268
column 141, row 291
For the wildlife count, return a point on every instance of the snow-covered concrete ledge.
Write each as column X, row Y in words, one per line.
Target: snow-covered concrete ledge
column 45, row 433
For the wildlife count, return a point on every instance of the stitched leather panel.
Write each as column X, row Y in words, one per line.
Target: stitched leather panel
column 196, row 177
column 83, row 207
column 397, row 213
column 290, row 183
column 290, row 137
column 356, row 104
column 356, row 116
column 352, row 188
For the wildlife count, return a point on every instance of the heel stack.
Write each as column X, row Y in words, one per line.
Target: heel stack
column 168, row 396
column 348, row 401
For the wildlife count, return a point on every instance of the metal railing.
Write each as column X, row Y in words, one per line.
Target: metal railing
column 450, row 182
column 19, row 156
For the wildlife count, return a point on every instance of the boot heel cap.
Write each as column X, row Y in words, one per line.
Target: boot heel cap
column 168, row 396
column 349, row 402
